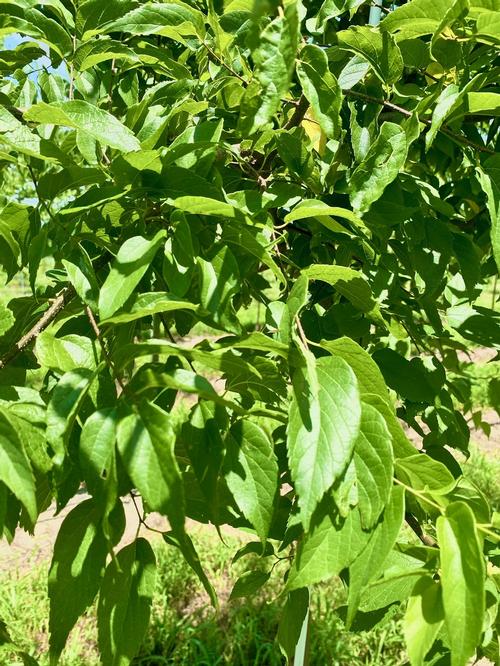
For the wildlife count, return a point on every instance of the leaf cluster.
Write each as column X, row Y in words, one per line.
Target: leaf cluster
column 179, row 167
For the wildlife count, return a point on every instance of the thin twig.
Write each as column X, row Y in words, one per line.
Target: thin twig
column 64, row 297
column 413, row 524
column 41, row 200
column 71, row 92
column 224, row 64
column 109, row 361
column 426, row 121
column 141, row 519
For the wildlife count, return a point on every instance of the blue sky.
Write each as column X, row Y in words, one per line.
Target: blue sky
column 13, row 40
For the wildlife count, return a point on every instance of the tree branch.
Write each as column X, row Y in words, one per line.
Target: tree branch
column 58, row 304
column 426, row 121
column 298, row 114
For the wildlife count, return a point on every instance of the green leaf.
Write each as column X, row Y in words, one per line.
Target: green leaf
column 380, row 167
column 350, row 283
column 62, row 410
column 15, row 471
column 373, row 464
column 145, row 305
column 370, row 379
column 274, row 58
column 146, row 445
column 249, row 583
column 85, row 117
column 28, row 420
column 489, row 177
column 488, row 27
column 320, row 88
column 323, row 426
column 378, row 48
column 293, row 626
column 328, row 549
column 251, row 472
column 93, row 53
column 330, row 9
column 184, row 543
column 400, row 443
column 125, row 603
column 81, row 275
column 179, row 379
column 423, row 619
column 411, row 379
column 257, row 341
column 425, row 473
column 462, row 580
column 219, row 283
column 447, row 101
column 66, row 353
column 468, row 258
column 132, row 261
column 322, row 212
column 171, row 19
column 92, row 15
column 200, row 205
column 416, row 18
column 98, row 458
column 482, row 104
column 369, row 565
column 6, row 319
column 75, row 572
column 22, row 139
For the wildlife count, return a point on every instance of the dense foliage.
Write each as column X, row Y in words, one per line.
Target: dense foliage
column 318, row 200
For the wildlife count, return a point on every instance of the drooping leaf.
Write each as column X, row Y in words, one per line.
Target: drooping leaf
column 15, row 471
column 294, row 625
column 249, row 583
column 324, row 422
column 274, row 58
column 370, row 379
column 369, row 564
column 145, row 442
column 98, row 457
column 489, row 177
column 423, row 619
column 251, row 472
column 320, row 88
column 373, row 464
column 186, row 546
column 125, row 602
column 77, row 567
column 63, row 407
column 329, row 548
column 462, row 580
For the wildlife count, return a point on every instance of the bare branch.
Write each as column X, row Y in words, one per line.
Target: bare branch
column 58, row 304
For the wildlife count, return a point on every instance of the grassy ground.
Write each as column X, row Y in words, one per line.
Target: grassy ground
column 484, row 471
column 185, row 630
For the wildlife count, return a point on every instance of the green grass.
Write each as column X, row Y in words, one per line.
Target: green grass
column 185, row 630
column 484, row 471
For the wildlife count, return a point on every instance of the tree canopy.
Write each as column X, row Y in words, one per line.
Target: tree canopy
column 315, row 202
